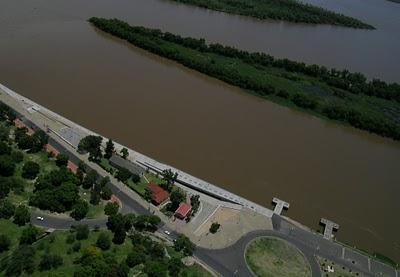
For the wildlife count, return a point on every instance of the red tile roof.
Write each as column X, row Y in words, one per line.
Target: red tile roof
column 183, row 209
column 158, row 194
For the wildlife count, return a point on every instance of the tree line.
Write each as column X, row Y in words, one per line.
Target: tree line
column 156, row 42
column 287, row 10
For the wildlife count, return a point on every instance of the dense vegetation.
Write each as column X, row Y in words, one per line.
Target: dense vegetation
column 81, row 252
column 339, row 95
column 288, row 10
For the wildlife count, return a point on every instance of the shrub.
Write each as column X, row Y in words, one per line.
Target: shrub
column 30, row 170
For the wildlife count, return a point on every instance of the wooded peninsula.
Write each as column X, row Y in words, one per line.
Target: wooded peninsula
column 287, row 10
column 338, row 95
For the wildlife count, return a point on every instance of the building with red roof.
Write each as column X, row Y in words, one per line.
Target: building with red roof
column 183, row 210
column 158, row 194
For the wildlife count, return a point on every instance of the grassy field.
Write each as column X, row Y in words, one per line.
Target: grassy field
column 339, row 271
column 274, row 257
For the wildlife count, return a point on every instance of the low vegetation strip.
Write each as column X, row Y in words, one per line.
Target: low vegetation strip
column 339, row 95
column 288, row 10
column 274, row 257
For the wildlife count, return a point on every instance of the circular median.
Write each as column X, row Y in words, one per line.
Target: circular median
column 268, row 256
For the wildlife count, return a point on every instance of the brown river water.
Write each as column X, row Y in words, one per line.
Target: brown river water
column 252, row 147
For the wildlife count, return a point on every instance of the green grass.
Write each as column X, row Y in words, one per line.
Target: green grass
column 140, row 187
column 195, row 271
column 105, row 164
column 95, row 211
column 339, row 271
column 274, row 257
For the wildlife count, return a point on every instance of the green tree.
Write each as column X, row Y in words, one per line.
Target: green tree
column 135, row 257
column 49, row 261
column 4, row 148
column 4, row 187
column 183, row 243
column 7, row 209
column 119, row 236
column 82, row 232
column 123, row 175
column 22, row 259
column 155, row 269
column 169, row 178
column 5, row 243
column 17, row 156
column 7, row 166
column 4, row 132
column 22, row 215
column 80, row 210
column 109, row 149
column 111, row 208
column 175, row 266
column 94, row 196
column 30, row 170
column 29, row 235
column 214, row 227
column 106, row 193
column 39, row 140
column 129, row 221
column 124, row 153
column 61, row 160
column 92, row 145
column 103, row 241
column 90, row 179
column 135, row 178
column 177, row 196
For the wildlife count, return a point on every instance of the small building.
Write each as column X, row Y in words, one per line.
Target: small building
column 158, row 194
column 183, row 210
column 119, row 163
column 20, row 124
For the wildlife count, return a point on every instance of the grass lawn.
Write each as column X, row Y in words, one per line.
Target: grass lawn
column 95, row 211
column 105, row 164
column 274, row 257
column 12, row 231
column 339, row 270
column 140, row 187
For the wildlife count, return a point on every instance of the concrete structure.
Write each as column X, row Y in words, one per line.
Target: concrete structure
column 279, row 205
column 329, row 227
column 119, row 163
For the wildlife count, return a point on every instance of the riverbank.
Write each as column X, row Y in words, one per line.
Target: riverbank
column 311, row 241
column 341, row 96
column 287, row 10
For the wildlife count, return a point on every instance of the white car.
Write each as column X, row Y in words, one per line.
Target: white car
column 167, row 232
column 40, row 218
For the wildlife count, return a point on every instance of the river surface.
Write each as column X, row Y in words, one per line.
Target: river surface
column 214, row 131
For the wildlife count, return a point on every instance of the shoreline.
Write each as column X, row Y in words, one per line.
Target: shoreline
column 28, row 106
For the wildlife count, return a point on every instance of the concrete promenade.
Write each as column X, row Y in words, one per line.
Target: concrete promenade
column 76, row 132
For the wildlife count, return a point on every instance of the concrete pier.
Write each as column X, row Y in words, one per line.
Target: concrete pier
column 329, row 227
column 279, row 205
